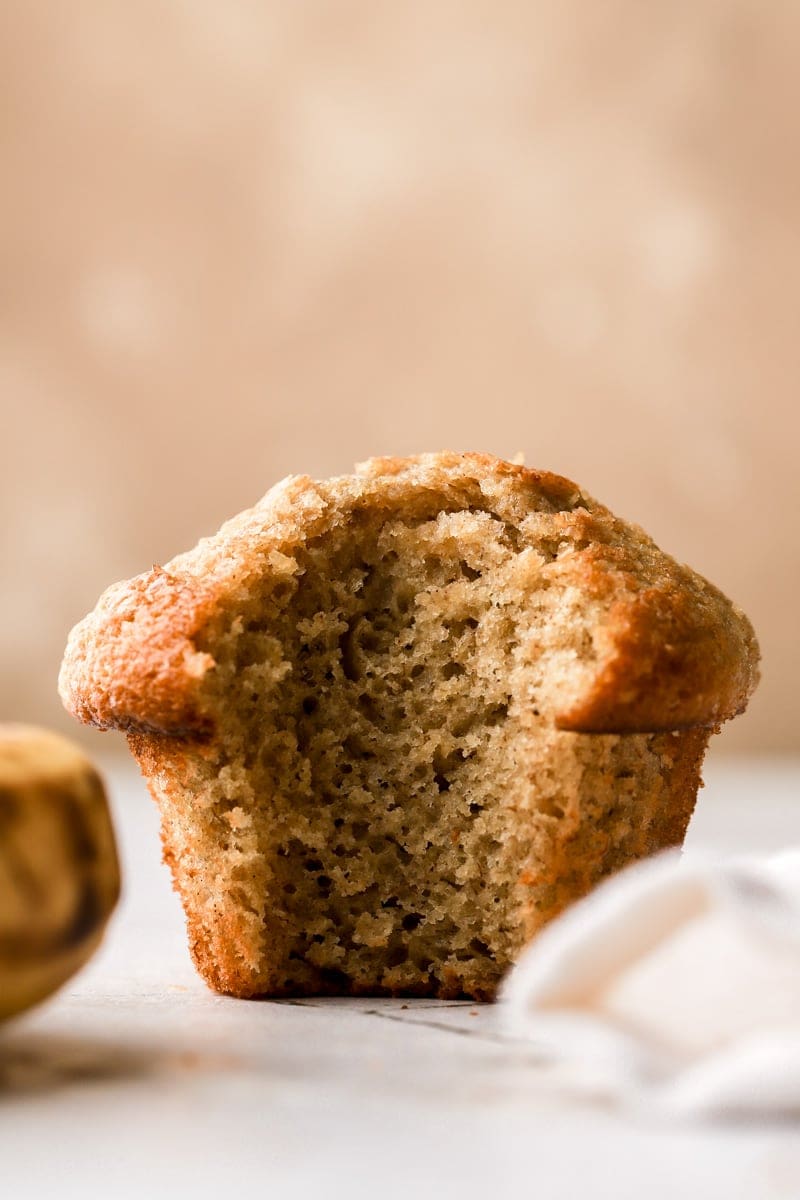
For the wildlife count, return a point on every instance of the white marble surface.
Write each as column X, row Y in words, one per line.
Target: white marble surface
column 138, row 1081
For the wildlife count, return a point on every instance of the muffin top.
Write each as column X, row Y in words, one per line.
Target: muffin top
column 631, row 640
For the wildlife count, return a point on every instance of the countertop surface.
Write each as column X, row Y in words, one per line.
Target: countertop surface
column 136, row 1080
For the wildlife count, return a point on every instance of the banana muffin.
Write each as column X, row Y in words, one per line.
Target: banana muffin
column 397, row 720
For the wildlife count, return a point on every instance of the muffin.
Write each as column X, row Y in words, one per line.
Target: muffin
column 395, row 721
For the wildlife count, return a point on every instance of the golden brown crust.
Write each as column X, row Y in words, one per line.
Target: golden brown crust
column 672, row 651
column 133, row 665
column 668, row 650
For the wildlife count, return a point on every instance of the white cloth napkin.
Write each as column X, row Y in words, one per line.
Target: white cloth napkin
column 675, row 985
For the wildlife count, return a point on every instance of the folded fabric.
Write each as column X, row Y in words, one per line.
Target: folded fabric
column 676, row 985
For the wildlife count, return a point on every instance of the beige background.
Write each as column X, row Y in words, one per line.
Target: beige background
column 240, row 240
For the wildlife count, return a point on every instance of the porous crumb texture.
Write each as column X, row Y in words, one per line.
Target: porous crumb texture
column 384, row 806
column 397, row 720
